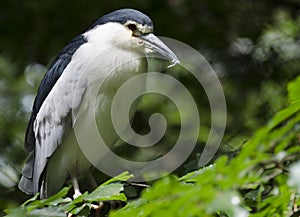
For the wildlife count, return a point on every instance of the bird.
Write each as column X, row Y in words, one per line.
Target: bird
column 113, row 49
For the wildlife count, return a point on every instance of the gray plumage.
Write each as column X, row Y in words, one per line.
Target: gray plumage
column 50, row 139
column 30, row 180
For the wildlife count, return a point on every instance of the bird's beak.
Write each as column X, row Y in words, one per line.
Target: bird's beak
column 156, row 45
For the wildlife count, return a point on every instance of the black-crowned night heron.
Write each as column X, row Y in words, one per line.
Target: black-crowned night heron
column 121, row 38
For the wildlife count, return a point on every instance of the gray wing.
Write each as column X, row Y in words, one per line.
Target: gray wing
column 50, row 117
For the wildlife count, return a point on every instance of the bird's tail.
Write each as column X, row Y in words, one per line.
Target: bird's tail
column 26, row 182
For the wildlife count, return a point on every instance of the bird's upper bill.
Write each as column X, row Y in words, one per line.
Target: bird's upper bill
column 156, row 45
column 151, row 42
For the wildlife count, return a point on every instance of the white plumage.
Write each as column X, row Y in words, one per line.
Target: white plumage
column 112, row 51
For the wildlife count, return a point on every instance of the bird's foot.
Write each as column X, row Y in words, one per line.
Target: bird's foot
column 97, row 207
column 76, row 194
column 102, row 208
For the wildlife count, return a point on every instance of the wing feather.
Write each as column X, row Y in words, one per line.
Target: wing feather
column 50, row 117
column 55, row 70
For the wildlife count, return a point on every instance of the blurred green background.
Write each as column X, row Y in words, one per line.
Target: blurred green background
column 253, row 46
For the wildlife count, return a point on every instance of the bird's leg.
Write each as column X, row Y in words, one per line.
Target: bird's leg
column 91, row 179
column 75, row 184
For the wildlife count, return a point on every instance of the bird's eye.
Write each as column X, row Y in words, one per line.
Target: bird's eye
column 132, row 27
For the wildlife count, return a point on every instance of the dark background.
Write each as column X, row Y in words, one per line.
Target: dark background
column 252, row 45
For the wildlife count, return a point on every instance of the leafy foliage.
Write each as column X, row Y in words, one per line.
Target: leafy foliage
column 254, row 48
column 256, row 182
column 59, row 204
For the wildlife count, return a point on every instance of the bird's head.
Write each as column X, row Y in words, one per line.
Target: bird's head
column 131, row 29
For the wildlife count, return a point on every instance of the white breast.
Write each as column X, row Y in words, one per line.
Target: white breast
column 98, row 68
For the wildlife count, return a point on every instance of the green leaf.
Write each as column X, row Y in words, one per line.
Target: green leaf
column 75, row 203
column 41, row 203
column 30, row 200
column 18, row 212
column 47, row 211
column 60, row 201
column 80, row 208
column 294, row 90
column 102, row 193
column 107, row 192
column 190, row 177
column 122, row 177
column 284, row 114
